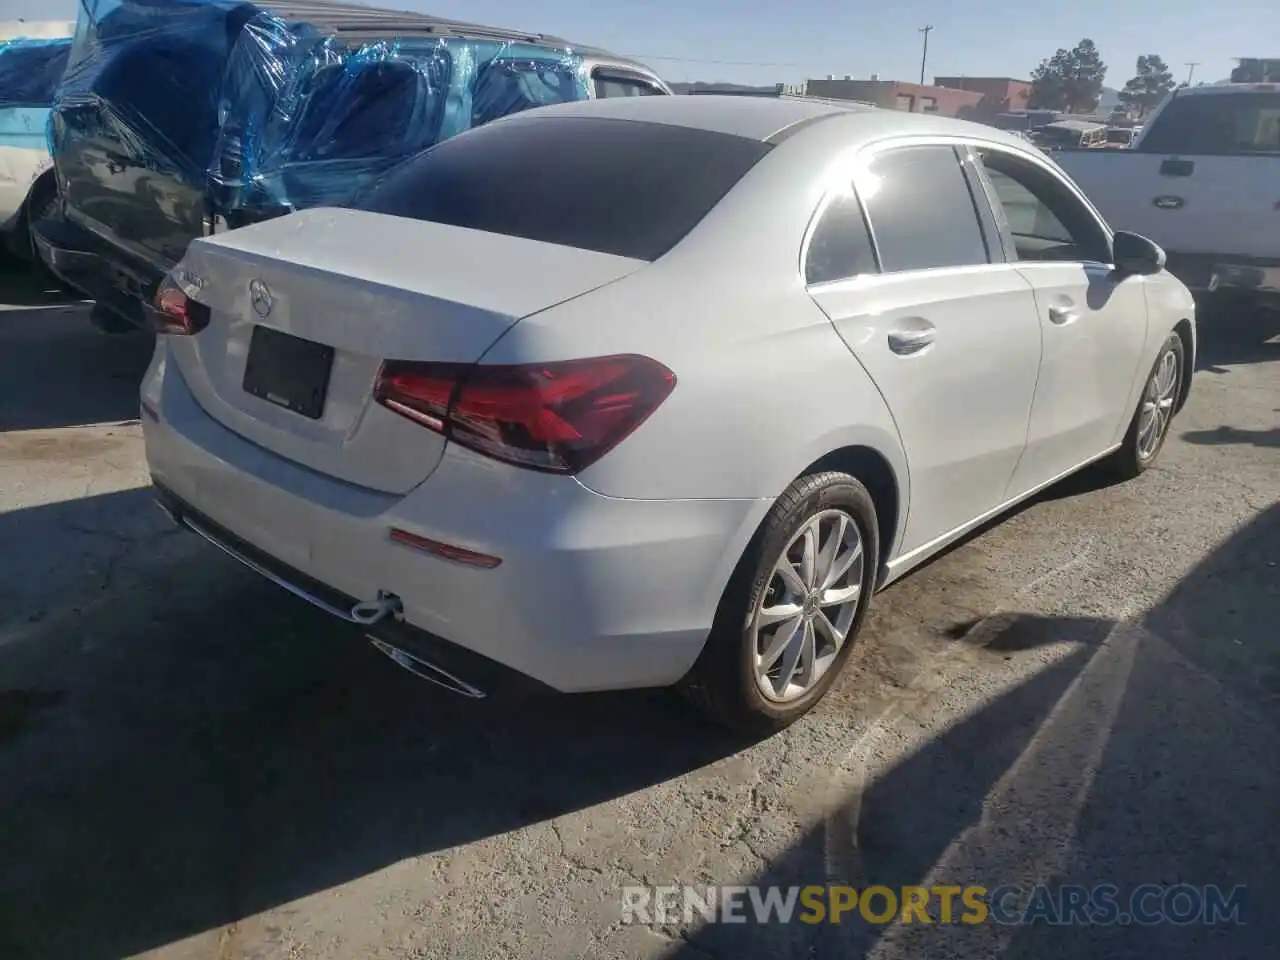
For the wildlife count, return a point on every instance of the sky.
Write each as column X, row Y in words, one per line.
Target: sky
column 749, row 42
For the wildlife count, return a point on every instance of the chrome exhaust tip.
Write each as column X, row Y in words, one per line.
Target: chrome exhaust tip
column 425, row 670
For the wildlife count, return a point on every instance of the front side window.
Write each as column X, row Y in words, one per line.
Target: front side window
column 1044, row 218
column 921, row 210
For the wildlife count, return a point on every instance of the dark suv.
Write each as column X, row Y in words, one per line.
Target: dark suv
column 181, row 118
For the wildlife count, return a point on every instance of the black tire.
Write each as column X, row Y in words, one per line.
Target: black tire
column 722, row 683
column 1130, row 460
column 42, row 202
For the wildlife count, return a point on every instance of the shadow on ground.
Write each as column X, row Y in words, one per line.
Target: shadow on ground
column 202, row 748
column 1231, row 336
column 1147, row 756
column 22, row 285
column 1233, row 436
column 57, row 371
column 199, row 749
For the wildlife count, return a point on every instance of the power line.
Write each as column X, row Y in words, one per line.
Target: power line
column 1191, row 69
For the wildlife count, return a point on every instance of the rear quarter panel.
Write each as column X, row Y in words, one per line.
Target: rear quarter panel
column 765, row 386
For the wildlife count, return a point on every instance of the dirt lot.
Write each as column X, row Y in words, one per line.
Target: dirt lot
column 195, row 765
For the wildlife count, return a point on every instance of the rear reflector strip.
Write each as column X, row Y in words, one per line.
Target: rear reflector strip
column 445, row 550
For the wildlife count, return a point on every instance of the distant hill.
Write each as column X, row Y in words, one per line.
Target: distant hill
column 1110, row 100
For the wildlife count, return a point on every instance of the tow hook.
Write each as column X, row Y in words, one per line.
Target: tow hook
column 368, row 612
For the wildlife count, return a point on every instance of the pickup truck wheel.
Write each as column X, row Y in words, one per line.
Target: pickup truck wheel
column 1156, row 407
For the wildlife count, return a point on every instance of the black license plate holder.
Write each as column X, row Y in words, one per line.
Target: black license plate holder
column 288, row 371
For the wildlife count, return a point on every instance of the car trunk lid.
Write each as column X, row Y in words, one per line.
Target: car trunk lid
column 304, row 309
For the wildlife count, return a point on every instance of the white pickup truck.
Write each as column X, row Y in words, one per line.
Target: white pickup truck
column 1203, row 181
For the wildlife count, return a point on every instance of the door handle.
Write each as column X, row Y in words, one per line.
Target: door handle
column 1062, row 315
column 906, row 342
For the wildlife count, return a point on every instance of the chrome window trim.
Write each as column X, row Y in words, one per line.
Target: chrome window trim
column 960, row 141
column 606, row 69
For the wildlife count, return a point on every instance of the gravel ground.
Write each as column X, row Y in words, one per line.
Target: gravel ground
column 195, row 765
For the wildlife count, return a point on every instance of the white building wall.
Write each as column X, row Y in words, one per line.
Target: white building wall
column 43, row 29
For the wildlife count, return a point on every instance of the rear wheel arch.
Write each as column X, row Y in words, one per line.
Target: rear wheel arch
column 875, row 472
column 1184, row 331
column 43, row 190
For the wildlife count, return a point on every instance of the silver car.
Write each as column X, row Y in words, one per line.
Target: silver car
column 656, row 390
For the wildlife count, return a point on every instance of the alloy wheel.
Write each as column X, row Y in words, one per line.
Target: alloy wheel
column 1157, row 405
column 808, row 606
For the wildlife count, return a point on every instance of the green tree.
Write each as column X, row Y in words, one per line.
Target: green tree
column 1070, row 80
column 1150, row 85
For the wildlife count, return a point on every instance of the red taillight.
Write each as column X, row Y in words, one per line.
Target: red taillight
column 174, row 313
column 558, row 417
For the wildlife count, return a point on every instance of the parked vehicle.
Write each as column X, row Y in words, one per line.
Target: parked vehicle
column 1203, row 180
column 29, row 73
column 181, row 118
column 552, row 401
column 1070, row 135
column 1119, row 138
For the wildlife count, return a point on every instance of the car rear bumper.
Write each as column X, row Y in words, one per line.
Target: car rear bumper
column 82, row 260
column 1209, row 273
column 592, row 593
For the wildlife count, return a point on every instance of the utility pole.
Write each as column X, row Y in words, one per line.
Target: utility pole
column 924, row 57
column 1191, row 69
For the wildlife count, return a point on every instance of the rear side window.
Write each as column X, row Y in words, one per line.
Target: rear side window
column 1217, row 124
column 29, row 75
column 504, row 87
column 371, row 110
column 840, row 247
column 921, row 210
column 623, row 85
column 614, row 186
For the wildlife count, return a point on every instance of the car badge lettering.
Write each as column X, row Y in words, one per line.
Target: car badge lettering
column 1168, row 202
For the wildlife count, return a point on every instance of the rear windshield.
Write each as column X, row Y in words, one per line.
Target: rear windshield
column 1217, row 124
column 614, row 186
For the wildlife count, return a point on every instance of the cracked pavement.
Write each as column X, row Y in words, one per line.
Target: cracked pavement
column 195, row 765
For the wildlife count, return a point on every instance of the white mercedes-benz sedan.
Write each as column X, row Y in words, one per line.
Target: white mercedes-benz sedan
column 655, row 391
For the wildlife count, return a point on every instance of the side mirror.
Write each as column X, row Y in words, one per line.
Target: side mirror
column 1135, row 255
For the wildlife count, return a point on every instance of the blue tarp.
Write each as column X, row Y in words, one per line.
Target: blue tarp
column 261, row 112
column 30, row 70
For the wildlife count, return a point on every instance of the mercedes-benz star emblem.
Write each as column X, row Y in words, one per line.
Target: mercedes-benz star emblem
column 260, row 297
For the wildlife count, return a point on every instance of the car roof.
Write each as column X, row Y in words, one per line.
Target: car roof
column 768, row 118
column 753, row 118
column 1219, row 89
column 351, row 21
